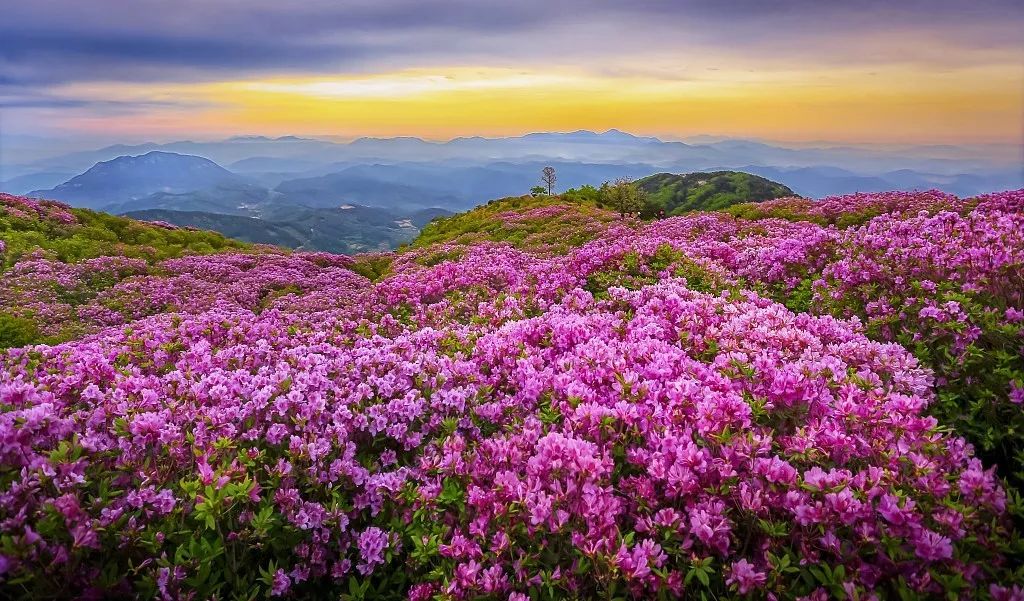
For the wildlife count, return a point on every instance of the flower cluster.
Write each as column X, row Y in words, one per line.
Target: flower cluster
column 851, row 208
column 708, row 405
column 29, row 208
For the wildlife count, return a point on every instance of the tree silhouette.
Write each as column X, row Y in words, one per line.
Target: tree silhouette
column 547, row 177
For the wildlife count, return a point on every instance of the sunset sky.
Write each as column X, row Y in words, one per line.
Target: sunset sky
column 896, row 72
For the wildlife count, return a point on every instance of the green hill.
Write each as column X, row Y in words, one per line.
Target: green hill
column 716, row 190
column 545, row 223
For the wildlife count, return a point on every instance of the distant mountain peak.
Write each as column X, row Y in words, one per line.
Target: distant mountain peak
column 154, row 157
column 248, row 139
column 131, row 177
column 268, row 139
column 618, row 133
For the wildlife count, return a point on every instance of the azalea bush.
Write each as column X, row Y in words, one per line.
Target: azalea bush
column 708, row 406
column 941, row 276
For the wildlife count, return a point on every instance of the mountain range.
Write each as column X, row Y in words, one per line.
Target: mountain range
column 194, row 191
column 370, row 193
column 969, row 168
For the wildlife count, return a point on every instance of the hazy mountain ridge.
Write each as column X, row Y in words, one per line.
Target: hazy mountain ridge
column 310, row 156
column 272, row 178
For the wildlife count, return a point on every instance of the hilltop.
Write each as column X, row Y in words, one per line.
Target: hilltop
column 712, row 191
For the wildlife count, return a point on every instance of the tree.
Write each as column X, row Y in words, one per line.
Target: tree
column 537, row 190
column 623, row 195
column 583, row 195
column 547, row 177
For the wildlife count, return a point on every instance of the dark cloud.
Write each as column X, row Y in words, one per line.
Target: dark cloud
column 17, row 98
column 47, row 42
column 58, row 41
column 56, row 57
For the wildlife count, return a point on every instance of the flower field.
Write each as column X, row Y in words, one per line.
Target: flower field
column 537, row 400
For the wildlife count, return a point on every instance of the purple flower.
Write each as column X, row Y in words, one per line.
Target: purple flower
column 371, row 542
column 932, row 546
column 281, row 583
column 745, row 577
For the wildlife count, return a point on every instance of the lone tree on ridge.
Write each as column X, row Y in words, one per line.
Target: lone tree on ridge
column 547, row 177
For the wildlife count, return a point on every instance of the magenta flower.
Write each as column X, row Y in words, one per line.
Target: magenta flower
column 745, row 577
column 932, row 546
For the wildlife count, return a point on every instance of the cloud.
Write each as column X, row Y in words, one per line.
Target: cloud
column 92, row 60
column 57, row 41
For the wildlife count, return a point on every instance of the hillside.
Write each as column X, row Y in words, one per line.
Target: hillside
column 53, row 229
column 537, row 222
column 716, row 190
column 36, row 235
column 226, row 198
column 535, row 399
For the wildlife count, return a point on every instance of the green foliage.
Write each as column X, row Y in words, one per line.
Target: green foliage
column 677, row 194
column 791, row 211
column 17, row 331
column 372, row 266
column 585, row 194
column 975, row 381
column 98, row 234
column 543, row 223
column 623, row 196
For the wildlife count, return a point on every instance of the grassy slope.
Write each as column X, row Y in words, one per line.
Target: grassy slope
column 95, row 234
column 523, row 221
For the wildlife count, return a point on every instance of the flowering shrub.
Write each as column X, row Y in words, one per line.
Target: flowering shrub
column 950, row 288
column 670, row 440
column 19, row 207
column 946, row 284
column 68, row 300
column 704, row 406
column 851, row 209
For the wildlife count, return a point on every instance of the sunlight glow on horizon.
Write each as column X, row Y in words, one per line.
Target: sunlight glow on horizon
column 889, row 104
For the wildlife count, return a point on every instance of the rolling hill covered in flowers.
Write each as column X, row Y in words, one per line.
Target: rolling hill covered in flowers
column 536, row 399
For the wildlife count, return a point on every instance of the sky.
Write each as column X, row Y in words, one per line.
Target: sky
column 914, row 71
